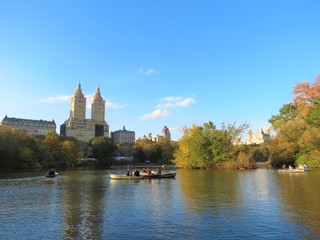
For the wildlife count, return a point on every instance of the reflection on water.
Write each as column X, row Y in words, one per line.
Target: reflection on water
column 299, row 195
column 86, row 204
column 83, row 196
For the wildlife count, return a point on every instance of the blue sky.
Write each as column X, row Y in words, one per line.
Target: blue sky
column 157, row 63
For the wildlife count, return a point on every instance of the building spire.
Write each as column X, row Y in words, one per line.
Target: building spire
column 97, row 95
column 78, row 90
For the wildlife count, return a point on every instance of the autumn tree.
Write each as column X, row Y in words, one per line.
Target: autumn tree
column 206, row 146
column 306, row 94
column 298, row 137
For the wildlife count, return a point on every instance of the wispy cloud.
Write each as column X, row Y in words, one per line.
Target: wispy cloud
column 56, row 99
column 173, row 129
column 146, row 72
column 168, row 102
column 158, row 113
column 110, row 104
column 173, row 102
column 89, row 99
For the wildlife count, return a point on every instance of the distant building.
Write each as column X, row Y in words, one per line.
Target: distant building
column 123, row 136
column 34, row 127
column 257, row 138
column 166, row 133
column 78, row 126
column 155, row 138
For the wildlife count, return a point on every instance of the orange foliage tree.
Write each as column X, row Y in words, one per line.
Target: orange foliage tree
column 306, row 93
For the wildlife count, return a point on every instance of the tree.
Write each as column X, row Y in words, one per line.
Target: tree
column 286, row 113
column 166, row 149
column 298, row 123
column 206, row 146
column 306, row 94
column 146, row 150
column 103, row 149
column 18, row 149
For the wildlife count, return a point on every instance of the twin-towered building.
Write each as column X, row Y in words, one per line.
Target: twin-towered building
column 77, row 125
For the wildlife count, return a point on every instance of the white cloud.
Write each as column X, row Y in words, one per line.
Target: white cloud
column 89, row 99
column 158, row 113
column 56, row 99
column 173, row 102
column 170, row 102
column 147, row 72
column 173, row 129
column 113, row 105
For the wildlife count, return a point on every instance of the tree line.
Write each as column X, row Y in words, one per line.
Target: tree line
column 297, row 141
column 20, row 150
column 298, row 128
column 297, row 138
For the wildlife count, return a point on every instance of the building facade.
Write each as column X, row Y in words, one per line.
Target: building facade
column 77, row 125
column 257, row 138
column 123, row 136
column 166, row 133
column 34, row 127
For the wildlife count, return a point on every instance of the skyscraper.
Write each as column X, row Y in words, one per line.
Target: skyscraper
column 77, row 125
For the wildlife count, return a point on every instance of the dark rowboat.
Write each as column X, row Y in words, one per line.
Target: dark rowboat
column 52, row 175
column 165, row 175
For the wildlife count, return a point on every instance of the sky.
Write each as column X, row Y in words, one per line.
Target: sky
column 157, row 63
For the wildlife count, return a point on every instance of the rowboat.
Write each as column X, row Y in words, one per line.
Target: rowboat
column 52, row 175
column 125, row 177
column 291, row 170
column 156, row 175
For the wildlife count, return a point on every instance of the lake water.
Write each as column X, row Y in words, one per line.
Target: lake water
column 197, row 204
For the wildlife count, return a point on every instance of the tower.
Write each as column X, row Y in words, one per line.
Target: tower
column 98, row 107
column 78, row 105
column 166, row 133
column 78, row 126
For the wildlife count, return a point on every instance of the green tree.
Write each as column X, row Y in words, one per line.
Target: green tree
column 103, row 149
column 166, row 149
column 18, row 149
column 206, row 146
column 297, row 128
column 286, row 113
column 146, row 150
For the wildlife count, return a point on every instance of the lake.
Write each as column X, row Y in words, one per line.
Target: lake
column 197, row 204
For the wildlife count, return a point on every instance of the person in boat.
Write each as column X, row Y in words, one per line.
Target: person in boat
column 149, row 172
column 128, row 172
column 284, row 166
column 136, row 173
column 51, row 172
column 159, row 171
column 290, row 167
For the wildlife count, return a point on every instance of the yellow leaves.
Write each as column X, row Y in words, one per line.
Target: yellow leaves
column 310, row 138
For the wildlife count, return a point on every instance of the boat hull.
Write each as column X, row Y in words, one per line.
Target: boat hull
column 125, row 177
column 166, row 175
column 52, row 175
column 291, row 170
